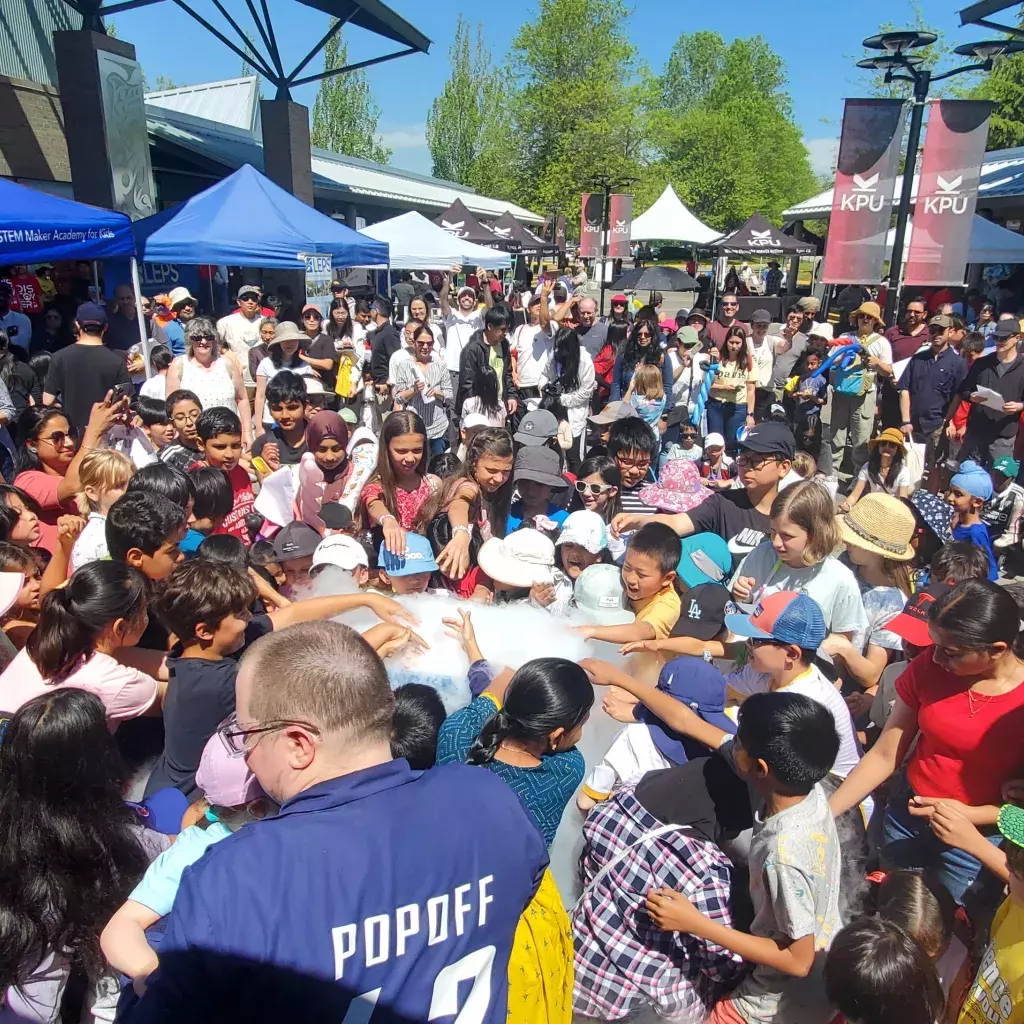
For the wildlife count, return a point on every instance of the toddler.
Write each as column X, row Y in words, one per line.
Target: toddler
column 103, row 477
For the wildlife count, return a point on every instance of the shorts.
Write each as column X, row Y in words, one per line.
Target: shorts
column 725, row 1013
column 935, row 445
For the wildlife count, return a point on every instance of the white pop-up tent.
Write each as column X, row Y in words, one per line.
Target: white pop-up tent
column 670, row 221
column 416, row 243
column 990, row 243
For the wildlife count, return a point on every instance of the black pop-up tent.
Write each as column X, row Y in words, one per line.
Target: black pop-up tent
column 758, row 238
column 513, row 237
column 460, row 222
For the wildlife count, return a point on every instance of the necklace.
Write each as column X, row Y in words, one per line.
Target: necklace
column 981, row 699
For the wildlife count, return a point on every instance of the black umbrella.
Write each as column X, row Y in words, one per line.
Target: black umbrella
column 656, row 279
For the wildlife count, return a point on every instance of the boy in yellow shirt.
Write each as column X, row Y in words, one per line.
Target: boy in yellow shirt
column 649, row 580
column 997, row 995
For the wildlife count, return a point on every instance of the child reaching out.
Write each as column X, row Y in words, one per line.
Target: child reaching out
column 104, row 476
column 401, row 485
column 968, row 492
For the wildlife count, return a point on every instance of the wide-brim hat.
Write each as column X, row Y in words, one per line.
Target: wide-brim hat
column 10, row 586
column 871, row 309
column 679, row 488
column 698, row 312
column 177, row 296
column 286, row 331
column 518, row 560
column 889, row 434
column 881, row 524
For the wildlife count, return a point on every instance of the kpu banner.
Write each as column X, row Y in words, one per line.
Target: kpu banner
column 869, row 154
column 591, row 224
column 947, row 193
column 620, row 217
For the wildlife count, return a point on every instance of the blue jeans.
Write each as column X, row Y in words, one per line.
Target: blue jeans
column 726, row 418
column 438, row 445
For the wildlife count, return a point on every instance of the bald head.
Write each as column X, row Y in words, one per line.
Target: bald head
column 588, row 312
column 124, row 299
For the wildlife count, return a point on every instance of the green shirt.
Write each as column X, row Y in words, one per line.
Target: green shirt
column 497, row 363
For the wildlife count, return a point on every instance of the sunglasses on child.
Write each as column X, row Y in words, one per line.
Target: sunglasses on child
column 585, row 488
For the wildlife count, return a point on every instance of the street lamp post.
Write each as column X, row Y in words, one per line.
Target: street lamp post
column 896, row 58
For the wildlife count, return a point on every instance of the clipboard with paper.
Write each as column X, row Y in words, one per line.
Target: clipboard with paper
column 990, row 399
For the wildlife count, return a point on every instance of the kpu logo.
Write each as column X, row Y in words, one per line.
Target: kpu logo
column 763, row 238
column 863, row 196
column 502, row 232
column 947, row 196
column 620, row 227
column 456, row 227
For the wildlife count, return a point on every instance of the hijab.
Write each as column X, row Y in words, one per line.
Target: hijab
column 323, row 425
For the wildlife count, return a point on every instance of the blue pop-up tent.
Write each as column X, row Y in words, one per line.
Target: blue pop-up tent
column 39, row 228
column 247, row 220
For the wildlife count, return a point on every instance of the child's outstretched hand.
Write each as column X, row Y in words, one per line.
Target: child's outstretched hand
column 743, row 588
column 639, row 645
column 400, row 637
column 671, row 911
column 463, row 631
column 394, row 536
column 542, row 594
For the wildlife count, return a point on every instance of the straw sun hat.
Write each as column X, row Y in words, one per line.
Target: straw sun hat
column 882, row 524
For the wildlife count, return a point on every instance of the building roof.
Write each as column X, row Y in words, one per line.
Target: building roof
column 1002, row 176
column 220, row 121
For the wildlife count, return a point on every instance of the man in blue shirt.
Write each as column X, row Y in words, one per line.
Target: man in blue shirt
column 378, row 893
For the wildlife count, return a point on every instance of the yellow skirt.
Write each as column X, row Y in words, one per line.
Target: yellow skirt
column 540, row 970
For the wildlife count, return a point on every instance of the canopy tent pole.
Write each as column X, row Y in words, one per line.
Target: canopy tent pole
column 143, row 333
column 96, row 280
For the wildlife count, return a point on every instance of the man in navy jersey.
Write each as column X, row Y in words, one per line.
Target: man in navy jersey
column 377, row 894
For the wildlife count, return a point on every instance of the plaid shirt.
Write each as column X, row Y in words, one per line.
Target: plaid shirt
column 623, row 961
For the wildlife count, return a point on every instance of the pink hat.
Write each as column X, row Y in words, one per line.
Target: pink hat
column 224, row 777
column 668, row 325
column 679, row 488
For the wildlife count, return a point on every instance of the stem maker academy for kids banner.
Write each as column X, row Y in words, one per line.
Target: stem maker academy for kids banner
column 947, row 193
column 869, row 153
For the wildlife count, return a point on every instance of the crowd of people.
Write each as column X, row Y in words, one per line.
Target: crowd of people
column 218, row 807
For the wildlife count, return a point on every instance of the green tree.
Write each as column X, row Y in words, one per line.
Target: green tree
column 458, row 117
column 345, row 115
column 1005, row 87
column 726, row 136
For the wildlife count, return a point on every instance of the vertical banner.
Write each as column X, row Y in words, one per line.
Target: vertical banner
column 318, row 282
column 947, row 193
column 124, row 123
column 620, row 224
column 591, row 224
column 869, row 154
column 560, row 231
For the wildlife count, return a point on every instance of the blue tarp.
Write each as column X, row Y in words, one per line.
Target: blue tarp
column 38, row 228
column 247, row 220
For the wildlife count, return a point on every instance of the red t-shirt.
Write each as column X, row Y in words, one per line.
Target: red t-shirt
column 409, row 502
column 28, row 294
column 245, row 499
column 958, row 756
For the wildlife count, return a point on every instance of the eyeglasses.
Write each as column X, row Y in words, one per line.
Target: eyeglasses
column 754, row 461
column 584, row 488
column 634, row 463
column 58, row 438
column 235, row 736
column 185, row 417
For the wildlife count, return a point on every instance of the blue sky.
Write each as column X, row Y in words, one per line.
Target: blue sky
column 819, row 43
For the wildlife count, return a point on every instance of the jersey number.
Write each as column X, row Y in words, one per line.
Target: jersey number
column 444, row 1000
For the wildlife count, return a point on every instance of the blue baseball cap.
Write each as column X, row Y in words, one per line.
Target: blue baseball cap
column 786, row 616
column 91, row 313
column 706, row 558
column 699, row 685
column 418, row 557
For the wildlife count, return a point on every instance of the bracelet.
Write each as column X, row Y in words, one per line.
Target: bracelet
column 462, row 529
column 387, row 515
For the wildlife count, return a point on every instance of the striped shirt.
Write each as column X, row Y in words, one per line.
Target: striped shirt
column 433, row 412
column 630, row 497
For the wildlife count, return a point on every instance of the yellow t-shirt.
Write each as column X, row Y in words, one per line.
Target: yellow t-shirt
column 730, row 382
column 997, row 995
column 661, row 610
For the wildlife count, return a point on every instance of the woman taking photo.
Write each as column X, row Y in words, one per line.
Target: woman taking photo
column 73, row 851
column 573, row 382
column 731, row 399
column 642, row 346
column 962, row 702
column 213, row 378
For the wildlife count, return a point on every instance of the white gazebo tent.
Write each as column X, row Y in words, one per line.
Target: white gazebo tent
column 670, row 221
column 990, row 243
column 416, row 243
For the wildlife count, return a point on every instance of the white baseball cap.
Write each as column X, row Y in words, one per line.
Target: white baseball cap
column 714, row 440
column 599, row 595
column 585, row 528
column 341, row 551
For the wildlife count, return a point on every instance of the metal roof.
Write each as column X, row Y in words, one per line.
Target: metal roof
column 1002, row 175
column 233, row 102
column 233, row 146
column 26, row 37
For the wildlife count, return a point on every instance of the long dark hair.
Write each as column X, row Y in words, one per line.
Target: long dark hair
column 31, row 424
column 736, row 331
column 334, row 332
column 875, row 466
column 404, row 421
column 977, row 613
column 544, row 695
column 70, row 855
column 485, row 388
column 73, row 617
column 566, row 358
column 633, row 352
column 8, row 516
column 277, row 358
column 6, row 359
column 608, row 469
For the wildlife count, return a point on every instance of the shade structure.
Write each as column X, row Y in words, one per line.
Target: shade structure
column 670, row 221
column 36, row 227
column 758, row 238
column 990, row 243
column 247, row 220
column 460, row 222
column 416, row 243
column 656, row 279
column 513, row 237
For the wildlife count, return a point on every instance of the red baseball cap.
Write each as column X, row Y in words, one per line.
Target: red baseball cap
column 619, row 300
column 912, row 623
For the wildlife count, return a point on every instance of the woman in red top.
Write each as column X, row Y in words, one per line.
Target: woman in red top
column 963, row 702
column 49, row 456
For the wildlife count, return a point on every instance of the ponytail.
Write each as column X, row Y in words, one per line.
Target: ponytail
column 73, row 617
column 544, row 695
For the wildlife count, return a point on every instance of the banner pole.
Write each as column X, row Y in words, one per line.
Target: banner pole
column 143, row 333
column 605, row 232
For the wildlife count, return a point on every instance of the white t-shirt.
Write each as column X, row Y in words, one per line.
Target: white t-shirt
column 533, row 347
column 155, row 387
column 686, row 387
column 873, row 484
column 764, row 362
column 472, row 405
column 460, row 328
column 240, row 334
column 91, row 543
